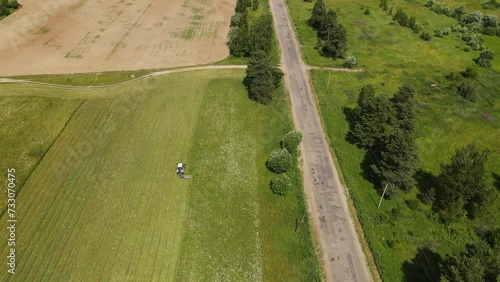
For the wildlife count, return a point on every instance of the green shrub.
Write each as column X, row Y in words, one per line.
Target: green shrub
column 425, row 36
column 412, row 204
column 367, row 12
column 350, row 62
column 291, row 140
column 279, row 161
column 281, row 184
column 469, row 72
column 467, row 91
column 485, row 58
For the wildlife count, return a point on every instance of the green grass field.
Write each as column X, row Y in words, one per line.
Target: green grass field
column 392, row 55
column 104, row 202
column 95, row 79
column 384, row 49
column 395, row 232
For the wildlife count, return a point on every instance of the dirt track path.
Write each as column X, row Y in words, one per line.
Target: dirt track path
column 342, row 256
column 154, row 74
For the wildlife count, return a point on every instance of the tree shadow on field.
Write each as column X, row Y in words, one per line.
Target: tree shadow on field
column 369, row 160
column 496, row 180
column 350, row 118
column 367, row 169
column 427, row 184
column 425, row 266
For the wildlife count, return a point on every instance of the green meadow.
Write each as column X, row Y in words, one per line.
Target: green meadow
column 405, row 235
column 98, row 198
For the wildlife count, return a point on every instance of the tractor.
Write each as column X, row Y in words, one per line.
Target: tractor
column 181, row 168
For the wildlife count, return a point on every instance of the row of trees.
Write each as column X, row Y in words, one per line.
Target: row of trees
column 475, row 21
column 386, row 129
column 6, row 7
column 245, row 38
column 282, row 160
column 332, row 35
column 255, row 40
column 262, row 77
column 410, row 22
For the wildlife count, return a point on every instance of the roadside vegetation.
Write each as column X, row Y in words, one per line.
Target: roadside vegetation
column 251, row 30
column 7, row 7
column 436, row 221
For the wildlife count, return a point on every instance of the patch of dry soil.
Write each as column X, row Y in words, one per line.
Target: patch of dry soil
column 75, row 36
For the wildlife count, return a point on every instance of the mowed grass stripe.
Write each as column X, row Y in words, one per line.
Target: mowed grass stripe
column 54, row 206
column 221, row 240
column 133, row 200
column 59, row 215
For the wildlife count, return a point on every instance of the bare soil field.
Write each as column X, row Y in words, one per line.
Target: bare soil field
column 77, row 36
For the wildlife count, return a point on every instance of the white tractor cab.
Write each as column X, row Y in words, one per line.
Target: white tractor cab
column 181, row 168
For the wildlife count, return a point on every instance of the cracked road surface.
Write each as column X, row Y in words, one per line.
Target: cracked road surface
column 342, row 256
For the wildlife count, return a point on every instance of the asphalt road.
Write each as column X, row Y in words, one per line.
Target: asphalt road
column 342, row 256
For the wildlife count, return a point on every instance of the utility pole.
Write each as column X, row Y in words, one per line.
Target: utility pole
column 381, row 198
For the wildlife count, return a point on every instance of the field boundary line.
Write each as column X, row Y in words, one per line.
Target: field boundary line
column 154, row 74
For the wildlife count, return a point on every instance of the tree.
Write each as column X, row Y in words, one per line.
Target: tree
column 277, row 75
column 259, row 79
column 462, row 268
column 405, row 114
column 383, row 5
column 238, row 41
column 291, row 141
column 350, row 62
column 374, row 119
column 318, row 14
column 401, row 17
column 490, row 21
column 474, row 17
column 261, row 34
column 426, row 36
column 328, row 25
column 459, row 11
column 279, row 161
column 462, row 183
column 255, row 5
column 241, row 6
column 467, row 91
column 485, row 58
column 281, row 184
column 399, row 154
column 4, row 9
column 336, row 46
column 398, row 161
column 13, row 4
column 469, row 72
column 412, row 22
